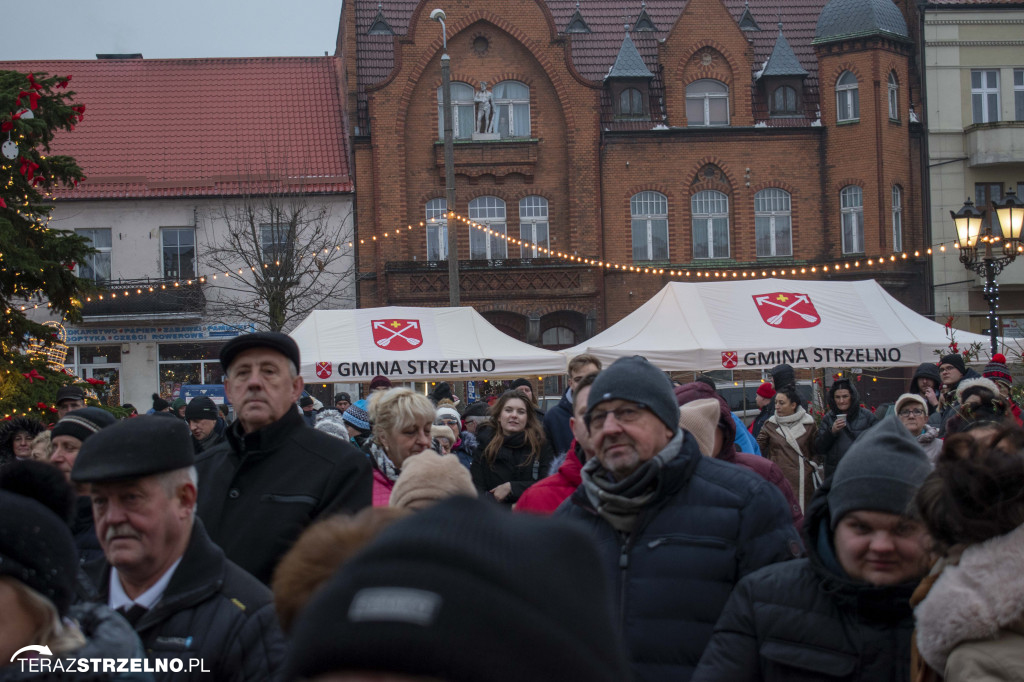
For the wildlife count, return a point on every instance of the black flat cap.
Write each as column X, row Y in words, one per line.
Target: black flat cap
column 69, row 393
column 282, row 343
column 135, row 448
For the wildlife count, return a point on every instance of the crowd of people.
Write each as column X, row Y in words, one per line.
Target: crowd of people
column 636, row 530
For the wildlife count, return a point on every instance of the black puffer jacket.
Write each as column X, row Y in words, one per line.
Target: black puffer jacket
column 806, row 620
column 556, row 425
column 107, row 635
column 83, row 528
column 211, row 610
column 927, row 370
column 709, row 524
column 832, row 446
column 509, row 464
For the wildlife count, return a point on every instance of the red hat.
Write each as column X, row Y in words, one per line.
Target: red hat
column 765, row 390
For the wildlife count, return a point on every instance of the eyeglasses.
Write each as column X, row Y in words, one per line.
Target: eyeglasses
column 916, row 412
column 626, row 414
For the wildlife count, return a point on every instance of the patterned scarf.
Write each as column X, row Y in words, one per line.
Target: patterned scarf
column 382, row 462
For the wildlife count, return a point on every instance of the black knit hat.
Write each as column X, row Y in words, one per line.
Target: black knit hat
column 159, row 404
column 637, row 380
column 521, row 381
column 956, row 360
column 201, row 407
column 282, row 343
column 135, row 448
column 305, row 401
column 83, row 423
column 36, row 548
column 465, row 591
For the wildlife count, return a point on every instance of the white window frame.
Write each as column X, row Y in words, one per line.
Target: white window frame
column 708, row 206
column 462, row 106
column 437, row 229
column 894, row 97
column 897, row 218
column 705, row 97
column 177, row 231
column 985, row 97
column 649, row 212
column 773, row 205
column 89, row 269
column 511, row 105
column 851, row 203
column 847, row 98
column 533, row 214
column 489, row 211
column 1018, row 94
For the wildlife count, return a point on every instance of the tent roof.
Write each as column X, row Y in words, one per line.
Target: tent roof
column 412, row 344
column 757, row 324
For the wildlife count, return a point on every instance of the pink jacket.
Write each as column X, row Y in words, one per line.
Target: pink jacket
column 381, row 489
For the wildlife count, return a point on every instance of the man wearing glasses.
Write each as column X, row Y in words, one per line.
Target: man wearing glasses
column 676, row 530
column 912, row 410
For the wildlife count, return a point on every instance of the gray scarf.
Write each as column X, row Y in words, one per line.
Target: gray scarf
column 620, row 502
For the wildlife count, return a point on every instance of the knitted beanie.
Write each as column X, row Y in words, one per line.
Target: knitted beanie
column 357, row 417
column 201, row 407
column 428, row 478
column 446, row 593
column 765, row 390
column 380, row 381
column 997, row 370
column 83, row 423
column 521, row 381
column 954, row 359
column 700, row 418
column 449, row 412
column 634, row 379
column 178, row 403
column 159, row 404
column 332, row 422
column 443, row 431
column 881, row 471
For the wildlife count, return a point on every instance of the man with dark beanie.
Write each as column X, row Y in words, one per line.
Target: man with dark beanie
column 273, row 475
column 464, row 592
column 202, row 417
column 952, row 370
column 844, row 611
column 676, row 530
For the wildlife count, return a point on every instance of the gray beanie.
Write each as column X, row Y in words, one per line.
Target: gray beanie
column 881, row 471
column 637, row 380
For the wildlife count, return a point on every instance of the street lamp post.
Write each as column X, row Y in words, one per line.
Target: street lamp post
column 438, row 15
column 988, row 260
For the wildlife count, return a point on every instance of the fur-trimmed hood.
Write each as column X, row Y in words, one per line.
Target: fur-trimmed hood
column 973, row 600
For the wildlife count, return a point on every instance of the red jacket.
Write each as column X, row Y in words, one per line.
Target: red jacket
column 544, row 496
column 770, row 471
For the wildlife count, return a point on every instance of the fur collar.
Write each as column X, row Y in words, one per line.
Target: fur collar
column 974, row 599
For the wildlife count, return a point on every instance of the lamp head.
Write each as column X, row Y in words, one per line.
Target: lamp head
column 968, row 225
column 437, row 15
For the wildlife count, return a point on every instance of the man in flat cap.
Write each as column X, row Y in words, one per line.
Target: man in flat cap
column 274, row 475
column 161, row 570
column 69, row 398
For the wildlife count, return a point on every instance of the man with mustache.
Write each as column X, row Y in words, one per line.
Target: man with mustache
column 160, row 568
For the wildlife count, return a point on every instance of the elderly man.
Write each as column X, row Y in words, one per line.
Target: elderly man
column 174, row 585
column 69, row 398
column 556, row 421
column 202, row 417
column 676, row 530
column 274, row 475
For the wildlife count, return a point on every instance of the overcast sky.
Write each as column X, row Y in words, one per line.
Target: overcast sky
column 80, row 29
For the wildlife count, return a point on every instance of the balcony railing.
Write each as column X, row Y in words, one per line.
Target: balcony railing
column 150, row 299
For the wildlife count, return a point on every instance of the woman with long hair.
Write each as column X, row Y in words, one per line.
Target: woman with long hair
column 970, row 609
column 512, row 453
column 401, row 421
column 787, row 439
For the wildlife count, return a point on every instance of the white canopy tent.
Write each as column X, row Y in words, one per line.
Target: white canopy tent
column 757, row 324
column 413, row 344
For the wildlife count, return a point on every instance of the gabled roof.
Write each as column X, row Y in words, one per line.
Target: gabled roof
column 841, row 19
column 159, row 128
column 380, row 25
column 644, row 21
column 782, row 61
column 629, row 63
column 747, row 21
column 576, row 22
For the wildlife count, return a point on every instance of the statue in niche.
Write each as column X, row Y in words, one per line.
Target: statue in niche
column 484, row 99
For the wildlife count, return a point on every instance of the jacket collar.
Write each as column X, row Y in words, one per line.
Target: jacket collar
column 266, row 438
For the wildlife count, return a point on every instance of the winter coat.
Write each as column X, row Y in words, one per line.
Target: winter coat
column 509, row 464
column 951, row 404
column 381, row 489
column 107, row 635
column 214, row 439
column 258, row 491
column 83, row 528
column 926, row 370
column 8, row 428
column 769, row 471
column 970, row 626
column 930, row 442
column 212, row 610
column 556, row 425
column 762, row 418
column 807, row 620
column 544, row 496
column 776, row 448
column 464, row 448
column 831, row 447
column 744, row 441
column 709, row 524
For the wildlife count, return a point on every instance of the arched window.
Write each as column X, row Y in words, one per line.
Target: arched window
column 649, row 212
column 773, row 223
column 490, row 213
column 631, row 102
column 533, row 227
column 710, row 224
column 512, row 109
column 897, row 218
column 437, row 229
column 462, row 106
column 847, row 98
column 894, row 97
column 783, row 102
column 707, row 103
column 851, row 209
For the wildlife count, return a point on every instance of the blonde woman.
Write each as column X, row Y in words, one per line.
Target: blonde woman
column 401, row 420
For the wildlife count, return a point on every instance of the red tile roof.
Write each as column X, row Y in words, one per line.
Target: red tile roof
column 200, row 127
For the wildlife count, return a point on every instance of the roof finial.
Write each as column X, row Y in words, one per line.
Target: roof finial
column 577, row 5
column 780, row 20
column 380, row 6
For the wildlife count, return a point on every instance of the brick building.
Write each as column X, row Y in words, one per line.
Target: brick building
column 700, row 136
